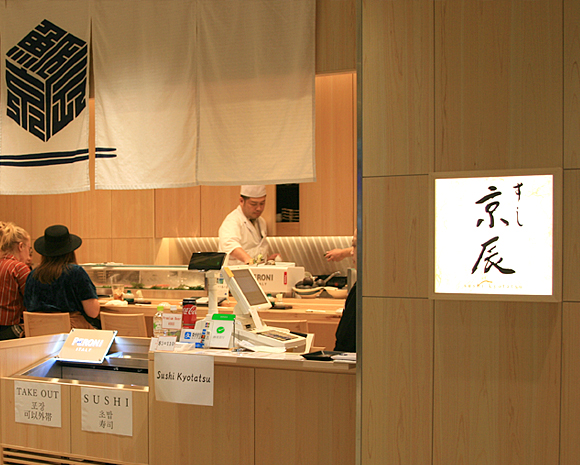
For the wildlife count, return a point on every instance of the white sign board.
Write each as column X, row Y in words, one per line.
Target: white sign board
column 107, row 411
column 494, row 235
column 184, row 378
column 87, row 345
column 37, row 403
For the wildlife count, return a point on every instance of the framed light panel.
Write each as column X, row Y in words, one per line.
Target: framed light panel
column 496, row 235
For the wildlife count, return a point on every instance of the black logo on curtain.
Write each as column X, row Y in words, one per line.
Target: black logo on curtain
column 46, row 76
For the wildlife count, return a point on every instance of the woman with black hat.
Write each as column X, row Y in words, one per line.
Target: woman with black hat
column 59, row 284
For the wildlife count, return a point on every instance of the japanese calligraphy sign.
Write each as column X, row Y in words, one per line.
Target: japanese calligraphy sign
column 494, row 235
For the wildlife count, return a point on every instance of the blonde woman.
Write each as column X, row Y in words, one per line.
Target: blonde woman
column 15, row 261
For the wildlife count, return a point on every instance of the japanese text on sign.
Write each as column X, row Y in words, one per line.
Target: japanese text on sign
column 494, row 235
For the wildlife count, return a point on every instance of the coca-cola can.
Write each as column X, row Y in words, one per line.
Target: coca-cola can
column 189, row 313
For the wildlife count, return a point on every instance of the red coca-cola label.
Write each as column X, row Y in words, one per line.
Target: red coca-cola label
column 189, row 314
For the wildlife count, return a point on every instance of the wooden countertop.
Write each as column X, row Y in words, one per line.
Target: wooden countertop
column 286, row 361
column 313, row 308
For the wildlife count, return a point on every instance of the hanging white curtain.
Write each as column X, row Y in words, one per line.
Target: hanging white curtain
column 145, row 93
column 256, row 68
column 44, row 116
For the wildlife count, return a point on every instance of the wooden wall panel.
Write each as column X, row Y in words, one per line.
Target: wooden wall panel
column 397, row 374
column 177, row 212
column 397, row 84
column 498, row 84
column 327, row 205
column 136, row 251
column 48, row 210
column 91, row 214
column 306, row 399
column 133, row 213
column 201, row 430
column 571, row 236
column 95, row 251
column 216, row 203
column 395, row 236
column 571, row 84
column 570, row 426
column 335, row 36
column 17, row 209
column 497, row 383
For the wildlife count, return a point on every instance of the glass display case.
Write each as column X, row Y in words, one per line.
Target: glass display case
column 148, row 277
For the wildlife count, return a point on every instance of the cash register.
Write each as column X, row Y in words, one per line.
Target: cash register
column 250, row 299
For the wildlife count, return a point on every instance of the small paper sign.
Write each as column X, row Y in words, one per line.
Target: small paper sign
column 222, row 328
column 171, row 321
column 166, row 343
column 184, row 378
column 37, row 403
column 107, row 411
column 200, row 337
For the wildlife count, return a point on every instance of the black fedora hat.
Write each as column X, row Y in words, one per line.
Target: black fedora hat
column 57, row 241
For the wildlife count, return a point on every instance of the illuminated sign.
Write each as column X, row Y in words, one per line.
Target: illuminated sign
column 87, row 345
column 494, row 235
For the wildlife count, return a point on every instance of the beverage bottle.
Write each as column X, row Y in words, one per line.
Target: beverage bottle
column 158, row 322
column 129, row 297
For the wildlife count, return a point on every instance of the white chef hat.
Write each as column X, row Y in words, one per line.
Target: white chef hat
column 253, row 191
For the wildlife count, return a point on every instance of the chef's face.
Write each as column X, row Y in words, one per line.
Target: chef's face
column 252, row 207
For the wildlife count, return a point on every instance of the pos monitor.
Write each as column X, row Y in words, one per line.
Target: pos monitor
column 251, row 298
column 211, row 263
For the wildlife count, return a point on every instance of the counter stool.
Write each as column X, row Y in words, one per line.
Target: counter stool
column 126, row 324
column 39, row 324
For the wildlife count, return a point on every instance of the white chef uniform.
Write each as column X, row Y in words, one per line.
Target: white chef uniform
column 238, row 231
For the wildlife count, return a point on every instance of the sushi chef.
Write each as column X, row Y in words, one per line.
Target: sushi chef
column 243, row 233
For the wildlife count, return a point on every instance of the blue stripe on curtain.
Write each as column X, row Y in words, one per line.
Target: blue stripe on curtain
column 44, row 159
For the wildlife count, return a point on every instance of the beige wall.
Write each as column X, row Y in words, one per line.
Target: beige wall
column 464, row 85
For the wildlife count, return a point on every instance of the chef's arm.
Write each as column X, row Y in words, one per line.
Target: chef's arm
column 240, row 254
column 337, row 255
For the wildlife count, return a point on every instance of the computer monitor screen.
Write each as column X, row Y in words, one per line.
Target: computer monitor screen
column 250, row 287
column 205, row 261
column 249, row 296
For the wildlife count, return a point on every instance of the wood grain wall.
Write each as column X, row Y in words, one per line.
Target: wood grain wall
column 458, row 85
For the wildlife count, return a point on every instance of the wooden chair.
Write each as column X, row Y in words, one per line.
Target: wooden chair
column 293, row 325
column 39, row 324
column 126, row 324
column 325, row 333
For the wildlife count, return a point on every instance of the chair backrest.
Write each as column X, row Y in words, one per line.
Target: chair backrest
column 293, row 325
column 39, row 324
column 325, row 333
column 126, row 324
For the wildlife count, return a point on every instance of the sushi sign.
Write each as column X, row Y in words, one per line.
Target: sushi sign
column 496, row 235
